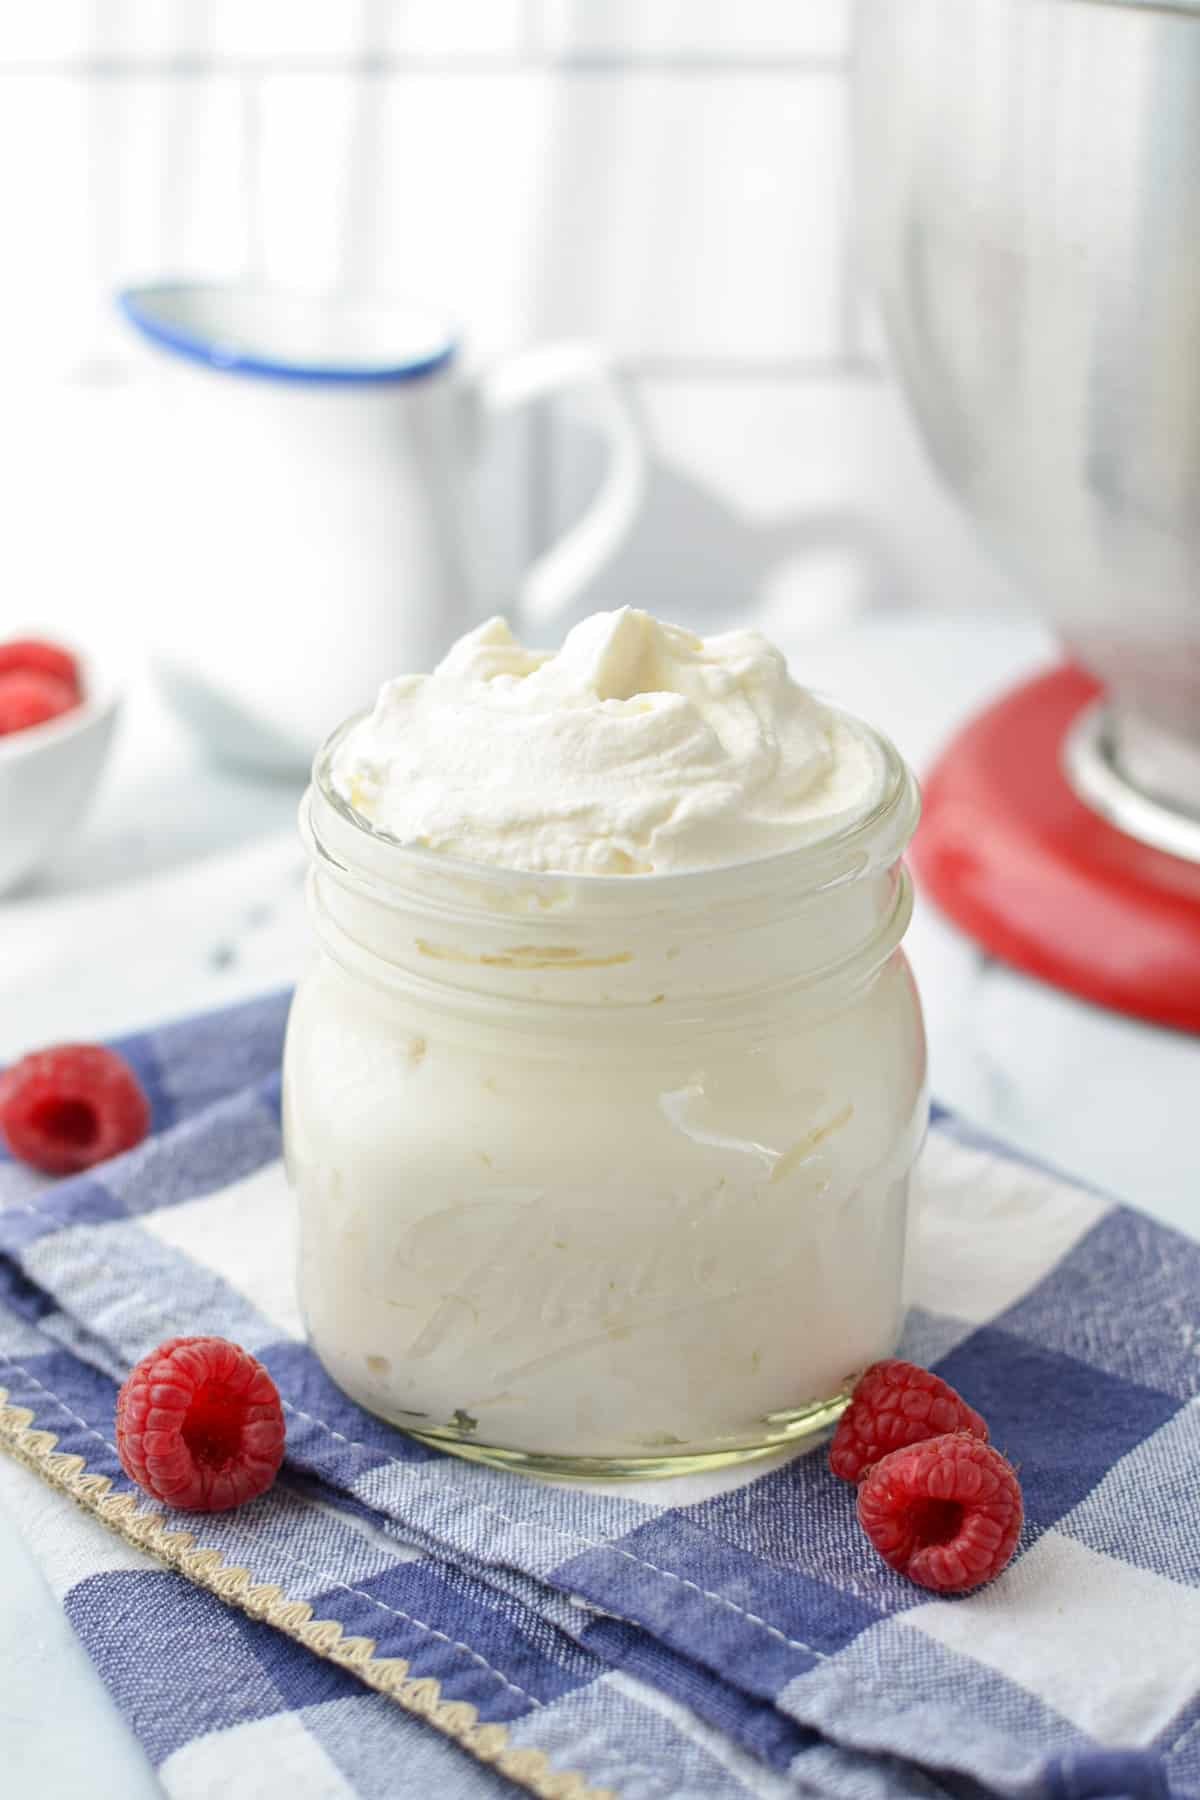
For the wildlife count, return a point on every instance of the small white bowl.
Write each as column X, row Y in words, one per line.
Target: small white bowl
column 48, row 775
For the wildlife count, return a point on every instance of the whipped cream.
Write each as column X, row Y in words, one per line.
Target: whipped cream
column 636, row 749
column 601, row 1177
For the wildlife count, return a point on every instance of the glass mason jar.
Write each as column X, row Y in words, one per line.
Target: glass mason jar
column 605, row 1175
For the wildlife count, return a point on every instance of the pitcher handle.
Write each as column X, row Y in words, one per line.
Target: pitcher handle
column 557, row 575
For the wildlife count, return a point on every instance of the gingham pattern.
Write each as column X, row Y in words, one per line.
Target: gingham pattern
column 732, row 1634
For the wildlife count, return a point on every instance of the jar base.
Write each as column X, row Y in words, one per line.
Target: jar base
column 780, row 1431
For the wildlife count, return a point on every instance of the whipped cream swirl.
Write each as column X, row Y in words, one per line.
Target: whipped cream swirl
column 636, row 749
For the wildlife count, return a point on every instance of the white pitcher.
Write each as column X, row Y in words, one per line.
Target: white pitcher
column 313, row 475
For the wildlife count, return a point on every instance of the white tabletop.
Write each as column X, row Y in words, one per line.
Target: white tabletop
column 184, row 892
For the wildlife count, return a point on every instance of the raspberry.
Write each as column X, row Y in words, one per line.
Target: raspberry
column 894, row 1404
column 64, row 1109
column 33, row 656
column 200, row 1425
column 946, row 1512
column 27, row 700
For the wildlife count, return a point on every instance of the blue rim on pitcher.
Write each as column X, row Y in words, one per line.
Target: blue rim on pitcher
column 279, row 335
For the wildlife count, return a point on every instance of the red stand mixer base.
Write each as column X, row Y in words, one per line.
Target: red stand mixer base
column 1007, row 849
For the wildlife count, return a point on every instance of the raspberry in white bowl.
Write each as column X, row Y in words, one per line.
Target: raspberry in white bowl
column 58, row 711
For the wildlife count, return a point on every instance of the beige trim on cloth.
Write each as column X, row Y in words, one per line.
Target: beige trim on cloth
column 150, row 1531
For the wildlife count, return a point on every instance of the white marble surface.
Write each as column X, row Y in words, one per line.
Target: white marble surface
column 184, row 891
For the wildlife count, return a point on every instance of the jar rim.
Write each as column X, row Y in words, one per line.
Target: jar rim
column 872, row 838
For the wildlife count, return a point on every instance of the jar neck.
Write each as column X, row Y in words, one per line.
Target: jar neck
column 807, row 925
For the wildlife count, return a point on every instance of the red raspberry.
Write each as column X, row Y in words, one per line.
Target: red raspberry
column 33, row 656
column 894, row 1404
column 947, row 1512
column 27, row 700
column 64, row 1109
column 200, row 1425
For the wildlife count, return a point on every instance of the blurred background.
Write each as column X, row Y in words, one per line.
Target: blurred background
column 671, row 177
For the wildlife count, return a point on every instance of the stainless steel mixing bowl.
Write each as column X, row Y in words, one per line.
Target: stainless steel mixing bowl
column 1028, row 204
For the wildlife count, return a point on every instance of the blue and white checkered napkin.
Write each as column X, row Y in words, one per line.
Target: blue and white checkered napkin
column 731, row 1634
